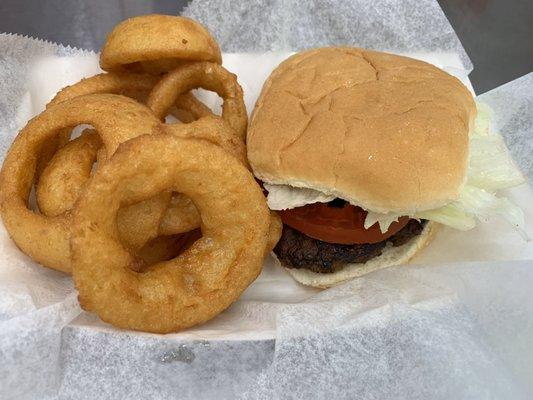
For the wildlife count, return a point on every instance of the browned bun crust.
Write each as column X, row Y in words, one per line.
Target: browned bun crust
column 157, row 43
column 386, row 132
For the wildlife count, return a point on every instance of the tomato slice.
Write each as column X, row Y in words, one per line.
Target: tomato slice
column 342, row 224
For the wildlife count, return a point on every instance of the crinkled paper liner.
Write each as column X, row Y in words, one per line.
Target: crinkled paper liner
column 452, row 328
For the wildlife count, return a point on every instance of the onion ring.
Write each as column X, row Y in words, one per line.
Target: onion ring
column 137, row 223
column 151, row 44
column 164, row 248
column 189, row 108
column 180, row 216
column 156, row 44
column 215, row 130
column 73, row 160
column 63, row 179
column 48, row 150
column 134, row 85
column 207, row 76
column 134, row 42
column 201, row 282
column 115, row 118
column 71, row 166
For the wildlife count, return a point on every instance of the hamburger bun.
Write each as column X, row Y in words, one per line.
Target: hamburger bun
column 384, row 132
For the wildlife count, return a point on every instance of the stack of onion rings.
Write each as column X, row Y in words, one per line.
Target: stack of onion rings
column 200, row 282
column 132, row 198
column 46, row 238
column 140, row 223
column 63, row 178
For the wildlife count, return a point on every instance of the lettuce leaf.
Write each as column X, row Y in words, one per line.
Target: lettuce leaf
column 490, row 168
column 282, row 197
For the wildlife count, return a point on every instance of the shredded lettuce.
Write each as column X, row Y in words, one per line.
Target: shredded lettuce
column 490, row 168
column 384, row 220
column 483, row 120
column 282, row 197
column 451, row 215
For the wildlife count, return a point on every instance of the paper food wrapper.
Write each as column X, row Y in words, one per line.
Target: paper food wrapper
column 458, row 323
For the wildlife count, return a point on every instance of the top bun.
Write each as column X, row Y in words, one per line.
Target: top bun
column 385, row 132
column 157, row 43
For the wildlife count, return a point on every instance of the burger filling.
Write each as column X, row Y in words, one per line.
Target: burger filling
column 297, row 250
column 323, row 237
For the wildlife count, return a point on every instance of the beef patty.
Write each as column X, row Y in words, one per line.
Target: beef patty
column 297, row 250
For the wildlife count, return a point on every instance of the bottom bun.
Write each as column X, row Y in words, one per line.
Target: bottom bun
column 390, row 256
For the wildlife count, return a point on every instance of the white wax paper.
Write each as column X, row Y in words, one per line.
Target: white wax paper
column 516, row 128
column 438, row 330
column 399, row 26
column 448, row 331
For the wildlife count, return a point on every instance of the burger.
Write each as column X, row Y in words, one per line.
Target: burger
column 364, row 154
